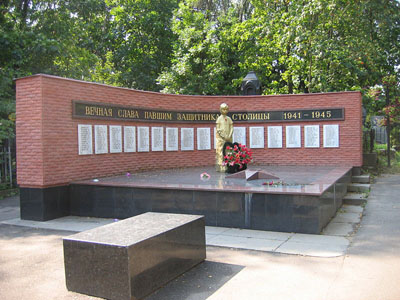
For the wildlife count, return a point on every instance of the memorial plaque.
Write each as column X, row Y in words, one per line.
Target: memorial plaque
column 239, row 135
column 187, row 139
column 85, row 139
column 157, row 139
column 115, row 139
column 100, row 139
column 311, row 136
column 257, row 137
column 129, row 139
column 92, row 110
column 275, row 137
column 293, row 137
column 215, row 138
column 143, row 139
column 331, row 136
column 203, row 139
column 171, row 139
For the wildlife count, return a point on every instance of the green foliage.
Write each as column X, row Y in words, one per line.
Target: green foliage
column 293, row 46
column 204, row 47
column 205, row 55
column 142, row 40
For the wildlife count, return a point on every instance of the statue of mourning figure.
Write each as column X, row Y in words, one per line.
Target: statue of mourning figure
column 224, row 134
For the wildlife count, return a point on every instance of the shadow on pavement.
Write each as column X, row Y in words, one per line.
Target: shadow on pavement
column 199, row 283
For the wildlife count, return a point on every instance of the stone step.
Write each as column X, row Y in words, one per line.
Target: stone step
column 359, row 187
column 361, row 179
column 354, row 199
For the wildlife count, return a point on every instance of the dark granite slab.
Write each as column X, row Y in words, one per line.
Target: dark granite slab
column 302, row 180
column 304, row 203
column 42, row 204
column 132, row 258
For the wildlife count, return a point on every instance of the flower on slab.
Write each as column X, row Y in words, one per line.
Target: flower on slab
column 237, row 155
column 205, row 176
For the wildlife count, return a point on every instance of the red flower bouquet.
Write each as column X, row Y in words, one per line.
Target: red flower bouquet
column 238, row 155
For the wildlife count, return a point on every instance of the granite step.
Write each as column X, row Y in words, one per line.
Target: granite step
column 355, row 199
column 359, row 187
column 361, row 179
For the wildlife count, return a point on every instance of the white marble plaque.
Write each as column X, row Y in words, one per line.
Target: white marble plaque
column 143, row 139
column 129, row 139
column 239, row 135
column 293, row 137
column 275, row 137
column 171, row 139
column 85, row 139
column 115, row 139
column 215, row 138
column 311, row 136
column 257, row 137
column 100, row 139
column 187, row 139
column 331, row 136
column 157, row 139
column 203, row 139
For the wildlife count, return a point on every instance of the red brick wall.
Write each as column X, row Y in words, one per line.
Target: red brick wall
column 47, row 135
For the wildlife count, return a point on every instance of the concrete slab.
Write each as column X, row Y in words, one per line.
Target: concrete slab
column 319, row 239
column 354, row 199
column 313, row 249
column 215, row 236
column 215, row 230
column 70, row 223
column 339, row 229
column 268, row 235
column 209, row 237
column 241, row 242
column 351, row 208
column 359, row 187
column 361, row 179
column 347, row 217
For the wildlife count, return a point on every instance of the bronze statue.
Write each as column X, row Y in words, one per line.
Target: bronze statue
column 224, row 134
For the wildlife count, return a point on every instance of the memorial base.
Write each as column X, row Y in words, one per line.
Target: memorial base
column 302, row 200
column 43, row 204
column 304, row 203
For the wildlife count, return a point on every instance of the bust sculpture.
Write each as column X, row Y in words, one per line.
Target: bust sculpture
column 224, row 134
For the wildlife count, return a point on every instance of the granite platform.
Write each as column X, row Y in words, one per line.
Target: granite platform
column 129, row 259
column 302, row 200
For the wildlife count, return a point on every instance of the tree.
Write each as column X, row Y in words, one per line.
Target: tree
column 143, row 39
column 293, row 46
column 206, row 55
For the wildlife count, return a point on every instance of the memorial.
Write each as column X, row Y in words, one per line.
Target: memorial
column 74, row 161
column 115, row 139
column 129, row 139
column 256, row 137
column 100, row 139
column 187, row 139
column 143, row 139
column 275, row 137
column 224, row 134
column 239, row 135
column 203, row 139
column 311, row 136
column 157, row 139
column 171, row 139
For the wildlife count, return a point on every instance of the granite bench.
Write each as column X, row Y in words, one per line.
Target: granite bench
column 130, row 259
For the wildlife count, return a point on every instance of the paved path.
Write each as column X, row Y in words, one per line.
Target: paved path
column 31, row 264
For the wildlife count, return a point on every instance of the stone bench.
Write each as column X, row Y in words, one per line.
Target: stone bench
column 132, row 258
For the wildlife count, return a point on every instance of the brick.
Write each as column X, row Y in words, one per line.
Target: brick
column 47, row 146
